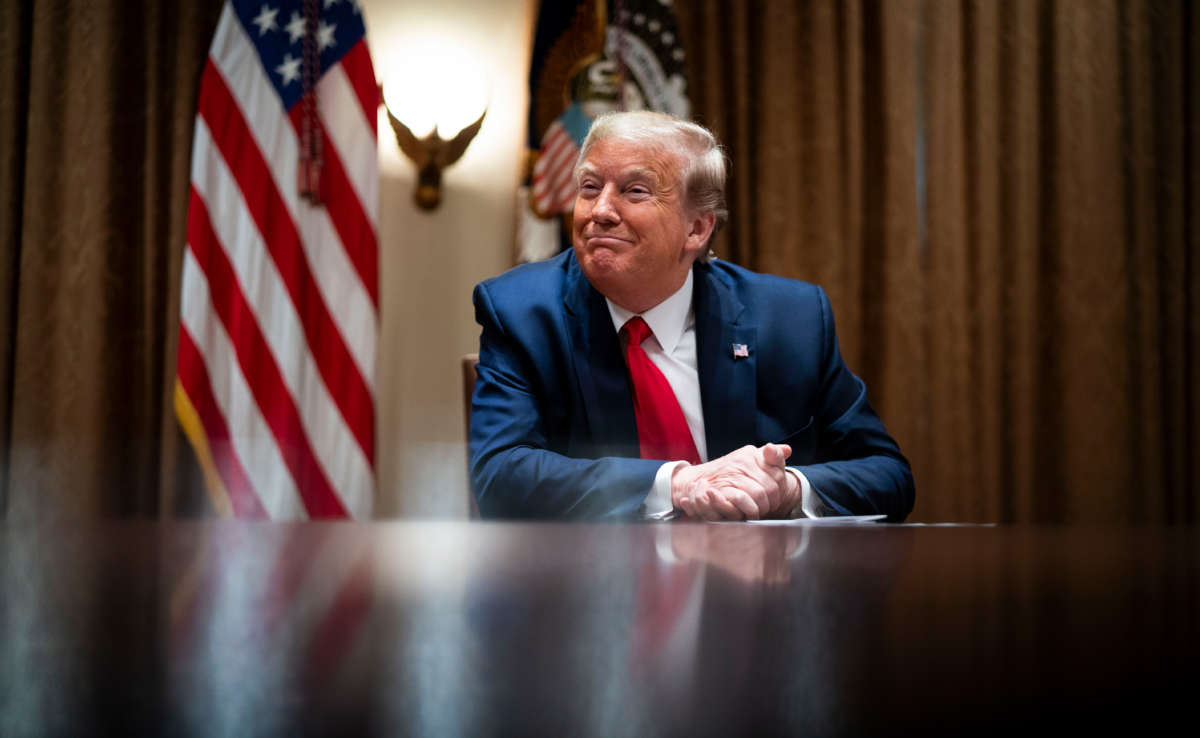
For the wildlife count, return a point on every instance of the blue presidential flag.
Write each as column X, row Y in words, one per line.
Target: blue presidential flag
column 590, row 57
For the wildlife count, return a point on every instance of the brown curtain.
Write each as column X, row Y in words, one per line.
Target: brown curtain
column 96, row 107
column 999, row 199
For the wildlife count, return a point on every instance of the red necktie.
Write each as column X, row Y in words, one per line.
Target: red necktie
column 662, row 430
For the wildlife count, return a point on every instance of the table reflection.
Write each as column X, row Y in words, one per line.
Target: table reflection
column 645, row 629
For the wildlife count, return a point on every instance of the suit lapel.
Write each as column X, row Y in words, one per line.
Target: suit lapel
column 727, row 382
column 599, row 368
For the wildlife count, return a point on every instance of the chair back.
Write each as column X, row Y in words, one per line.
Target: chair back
column 469, row 374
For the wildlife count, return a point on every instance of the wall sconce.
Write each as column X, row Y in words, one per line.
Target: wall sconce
column 431, row 91
column 432, row 154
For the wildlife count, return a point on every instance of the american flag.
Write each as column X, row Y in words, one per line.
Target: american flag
column 279, row 312
column 553, row 185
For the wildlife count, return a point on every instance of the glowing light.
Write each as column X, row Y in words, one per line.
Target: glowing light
column 435, row 82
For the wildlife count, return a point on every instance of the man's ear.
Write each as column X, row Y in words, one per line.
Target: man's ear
column 700, row 229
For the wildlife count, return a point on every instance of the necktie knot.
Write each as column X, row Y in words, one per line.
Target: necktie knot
column 637, row 330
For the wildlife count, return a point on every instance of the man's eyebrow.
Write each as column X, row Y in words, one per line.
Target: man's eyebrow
column 632, row 173
column 628, row 174
column 641, row 173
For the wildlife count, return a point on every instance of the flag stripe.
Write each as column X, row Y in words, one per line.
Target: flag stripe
column 279, row 233
column 549, row 186
column 258, row 366
column 343, row 211
column 566, row 195
column 194, row 381
column 557, row 142
column 275, row 135
column 541, row 168
column 555, row 183
column 361, row 73
column 563, row 144
column 343, row 461
column 554, row 186
column 352, row 137
column 554, row 159
column 557, row 139
column 252, row 440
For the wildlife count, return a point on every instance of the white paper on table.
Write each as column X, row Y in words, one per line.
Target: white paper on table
column 832, row 520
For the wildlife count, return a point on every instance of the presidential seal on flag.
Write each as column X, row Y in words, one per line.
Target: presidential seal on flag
column 589, row 57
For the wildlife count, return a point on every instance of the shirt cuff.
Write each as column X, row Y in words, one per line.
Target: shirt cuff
column 658, row 503
column 811, row 506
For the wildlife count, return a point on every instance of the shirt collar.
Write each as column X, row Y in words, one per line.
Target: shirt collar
column 667, row 320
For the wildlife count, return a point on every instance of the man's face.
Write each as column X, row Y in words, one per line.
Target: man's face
column 632, row 235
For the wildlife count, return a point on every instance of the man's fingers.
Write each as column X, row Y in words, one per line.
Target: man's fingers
column 759, row 485
column 758, row 493
column 757, row 475
column 750, row 483
column 706, row 502
column 713, row 504
column 687, row 503
column 733, row 504
column 775, row 454
column 770, row 456
column 724, row 507
column 746, row 506
column 700, row 497
column 682, row 479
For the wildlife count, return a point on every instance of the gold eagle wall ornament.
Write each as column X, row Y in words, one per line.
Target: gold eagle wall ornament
column 431, row 155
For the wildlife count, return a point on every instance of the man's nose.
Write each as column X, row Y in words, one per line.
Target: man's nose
column 604, row 208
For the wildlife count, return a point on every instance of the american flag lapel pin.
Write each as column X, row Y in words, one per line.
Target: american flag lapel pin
column 741, row 351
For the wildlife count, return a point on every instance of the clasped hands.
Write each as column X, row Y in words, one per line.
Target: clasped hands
column 750, row 483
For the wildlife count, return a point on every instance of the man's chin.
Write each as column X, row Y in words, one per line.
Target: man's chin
column 593, row 256
column 602, row 267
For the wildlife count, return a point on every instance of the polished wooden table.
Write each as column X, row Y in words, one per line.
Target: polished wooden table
column 445, row 629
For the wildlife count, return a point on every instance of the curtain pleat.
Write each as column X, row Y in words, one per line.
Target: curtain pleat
column 14, row 94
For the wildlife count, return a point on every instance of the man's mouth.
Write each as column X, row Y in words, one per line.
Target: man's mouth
column 606, row 240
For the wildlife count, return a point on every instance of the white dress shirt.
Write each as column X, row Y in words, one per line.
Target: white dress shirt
column 672, row 348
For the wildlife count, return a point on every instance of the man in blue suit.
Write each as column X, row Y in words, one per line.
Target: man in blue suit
column 737, row 405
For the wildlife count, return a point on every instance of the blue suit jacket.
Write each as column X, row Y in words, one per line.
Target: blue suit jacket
column 552, row 424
